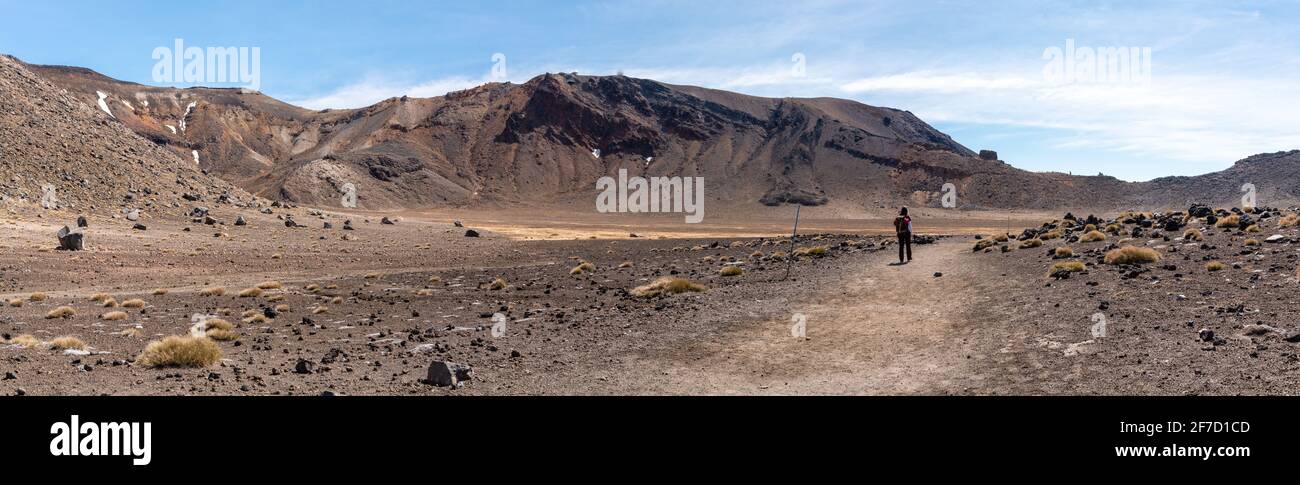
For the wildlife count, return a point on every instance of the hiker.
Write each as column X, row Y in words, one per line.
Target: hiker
column 903, row 226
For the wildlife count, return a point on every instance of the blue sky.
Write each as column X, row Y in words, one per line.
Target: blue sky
column 1222, row 82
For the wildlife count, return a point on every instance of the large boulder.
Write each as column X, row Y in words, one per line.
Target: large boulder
column 444, row 374
column 71, row 239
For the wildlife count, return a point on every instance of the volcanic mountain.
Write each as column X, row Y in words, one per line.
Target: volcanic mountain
column 548, row 140
column 51, row 138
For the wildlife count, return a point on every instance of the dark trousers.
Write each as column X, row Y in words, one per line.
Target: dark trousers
column 904, row 246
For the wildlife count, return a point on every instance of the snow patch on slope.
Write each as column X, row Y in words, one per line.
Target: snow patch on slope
column 170, row 127
column 188, row 109
column 196, row 156
column 102, row 104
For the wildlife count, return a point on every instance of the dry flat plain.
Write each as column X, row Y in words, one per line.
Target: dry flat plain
column 367, row 311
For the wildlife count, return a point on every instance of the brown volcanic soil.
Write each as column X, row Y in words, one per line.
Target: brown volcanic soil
column 993, row 323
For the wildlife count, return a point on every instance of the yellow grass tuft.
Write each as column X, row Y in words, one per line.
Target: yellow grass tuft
column 1071, row 266
column 222, row 335
column 1092, row 236
column 731, row 270
column 159, row 292
column 320, row 309
column 1001, row 238
column 61, row 312
column 585, row 267
column 814, row 251
column 133, row 303
column 1193, row 235
column 1289, row 220
column 214, row 291
column 113, row 316
column 16, row 302
column 178, row 351
column 250, row 293
column 497, row 284
column 100, row 297
column 1031, row 243
column 256, row 319
column 1052, row 234
column 625, row 265
column 1251, row 242
column 25, row 341
column 1215, row 266
column 372, row 276
column 1064, row 252
column 1132, row 255
column 37, row 297
column 270, row 285
column 668, row 286
column 217, row 324
column 1253, row 228
column 110, row 303
column 1229, row 222
column 1114, row 229
column 68, row 342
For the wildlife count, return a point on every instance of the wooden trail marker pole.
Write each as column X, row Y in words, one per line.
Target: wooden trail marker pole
column 793, row 235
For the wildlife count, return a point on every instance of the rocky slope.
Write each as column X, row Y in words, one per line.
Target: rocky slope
column 52, row 138
column 548, row 140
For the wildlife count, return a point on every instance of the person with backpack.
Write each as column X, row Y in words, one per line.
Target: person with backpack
column 903, row 226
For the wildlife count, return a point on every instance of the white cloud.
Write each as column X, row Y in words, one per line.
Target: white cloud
column 936, row 82
column 374, row 90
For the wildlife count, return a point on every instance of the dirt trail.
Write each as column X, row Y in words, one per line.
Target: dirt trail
column 889, row 329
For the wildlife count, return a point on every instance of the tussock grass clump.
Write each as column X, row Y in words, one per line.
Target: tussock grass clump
column 668, row 286
column 1089, row 228
column 372, row 276
column 1251, row 242
column 1132, row 255
column 217, row 324
column 424, row 292
column 256, row 319
column 1031, row 243
column 585, row 267
column 25, row 341
column 1215, row 266
column 625, row 265
column 497, row 284
column 757, row 255
column 434, row 280
column 270, row 285
column 1193, row 235
column 1052, row 234
column 1064, row 252
column 1289, row 220
column 319, row 310
column 37, row 297
column 1229, row 222
column 1071, row 266
column 222, row 335
column 61, row 312
column 1092, row 236
column 131, row 332
column 814, row 251
column 313, row 288
column 113, row 316
column 100, row 297
column 1253, row 228
column 1001, row 238
column 1114, row 229
column 16, row 302
column 731, row 270
column 110, row 303
column 68, row 342
column 983, row 244
column 176, row 351
column 214, row 291
column 250, row 293
column 159, row 292
column 133, row 303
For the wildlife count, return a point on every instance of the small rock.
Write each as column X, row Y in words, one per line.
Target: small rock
column 71, row 239
column 471, row 233
column 239, row 221
column 304, row 366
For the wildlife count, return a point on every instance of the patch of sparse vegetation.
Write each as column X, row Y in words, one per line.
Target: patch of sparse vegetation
column 813, row 251
column 1071, row 266
column 25, row 341
column 1092, row 236
column 250, row 293
column 1031, row 243
column 100, row 297
column 68, row 342
column 113, row 316
column 176, row 351
column 37, row 297
column 133, row 303
column 214, row 291
column 731, row 270
column 1064, row 252
column 1215, row 266
column 61, row 312
column 270, row 285
column 668, row 286
column 1132, row 255
column 1229, row 222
